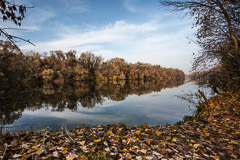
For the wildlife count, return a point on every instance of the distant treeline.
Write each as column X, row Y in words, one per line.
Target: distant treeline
column 61, row 68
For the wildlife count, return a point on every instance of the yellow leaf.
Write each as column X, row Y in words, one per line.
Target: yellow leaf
column 138, row 132
column 174, row 139
column 146, row 130
column 110, row 132
column 207, row 134
column 124, row 150
column 196, row 146
column 98, row 140
column 129, row 156
column 25, row 157
column 234, row 142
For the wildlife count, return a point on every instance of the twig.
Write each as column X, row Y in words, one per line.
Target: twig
column 70, row 136
column 19, row 29
column 66, row 131
column 45, row 137
column 4, row 150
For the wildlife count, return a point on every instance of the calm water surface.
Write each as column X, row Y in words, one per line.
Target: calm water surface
column 149, row 105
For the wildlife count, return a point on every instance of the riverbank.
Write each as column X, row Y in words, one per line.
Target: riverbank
column 213, row 133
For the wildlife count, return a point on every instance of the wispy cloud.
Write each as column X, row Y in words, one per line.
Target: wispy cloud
column 130, row 6
column 76, row 6
column 36, row 19
column 119, row 32
column 152, row 42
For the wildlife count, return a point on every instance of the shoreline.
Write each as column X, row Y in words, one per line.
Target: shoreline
column 213, row 133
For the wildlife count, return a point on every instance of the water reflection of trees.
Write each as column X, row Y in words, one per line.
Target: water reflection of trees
column 15, row 99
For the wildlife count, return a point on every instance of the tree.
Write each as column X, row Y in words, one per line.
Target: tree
column 15, row 13
column 89, row 61
column 218, row 35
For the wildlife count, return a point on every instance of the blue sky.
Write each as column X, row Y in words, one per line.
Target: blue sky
column 136, row 30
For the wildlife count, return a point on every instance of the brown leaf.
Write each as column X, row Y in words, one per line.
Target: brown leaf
column 148, row 141
column 143, row 151
column 168, row 138
column 55, row 154
column 71, row 156
column 40, row 151
column 83, row 158
column 158, row 133
column 82, row 143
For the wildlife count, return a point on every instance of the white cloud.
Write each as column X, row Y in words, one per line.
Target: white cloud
column 129, row 4
column 151, row 42
column 115, row 33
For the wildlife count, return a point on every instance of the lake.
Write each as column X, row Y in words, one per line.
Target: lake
column 132, row 103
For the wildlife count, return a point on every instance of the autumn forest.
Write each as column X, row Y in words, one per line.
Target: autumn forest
column 62, row 68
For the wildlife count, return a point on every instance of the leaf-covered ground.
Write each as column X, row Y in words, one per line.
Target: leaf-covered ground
column 213, row 133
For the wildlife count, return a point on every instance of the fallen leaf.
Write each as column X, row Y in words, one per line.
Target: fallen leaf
column 25, row 157
column 129, row 156
column 196, row 146
column 234, row 142
column 143, row 151
column 168, row 138
column 148, row 141
column 82, row 143
column 138, row 132
column 40, row 151
column 158, row 133
column 17, row 156
column 83, row 158
column 55, row 154
column 98, row 140
column 105, row 143
column 71, row 156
